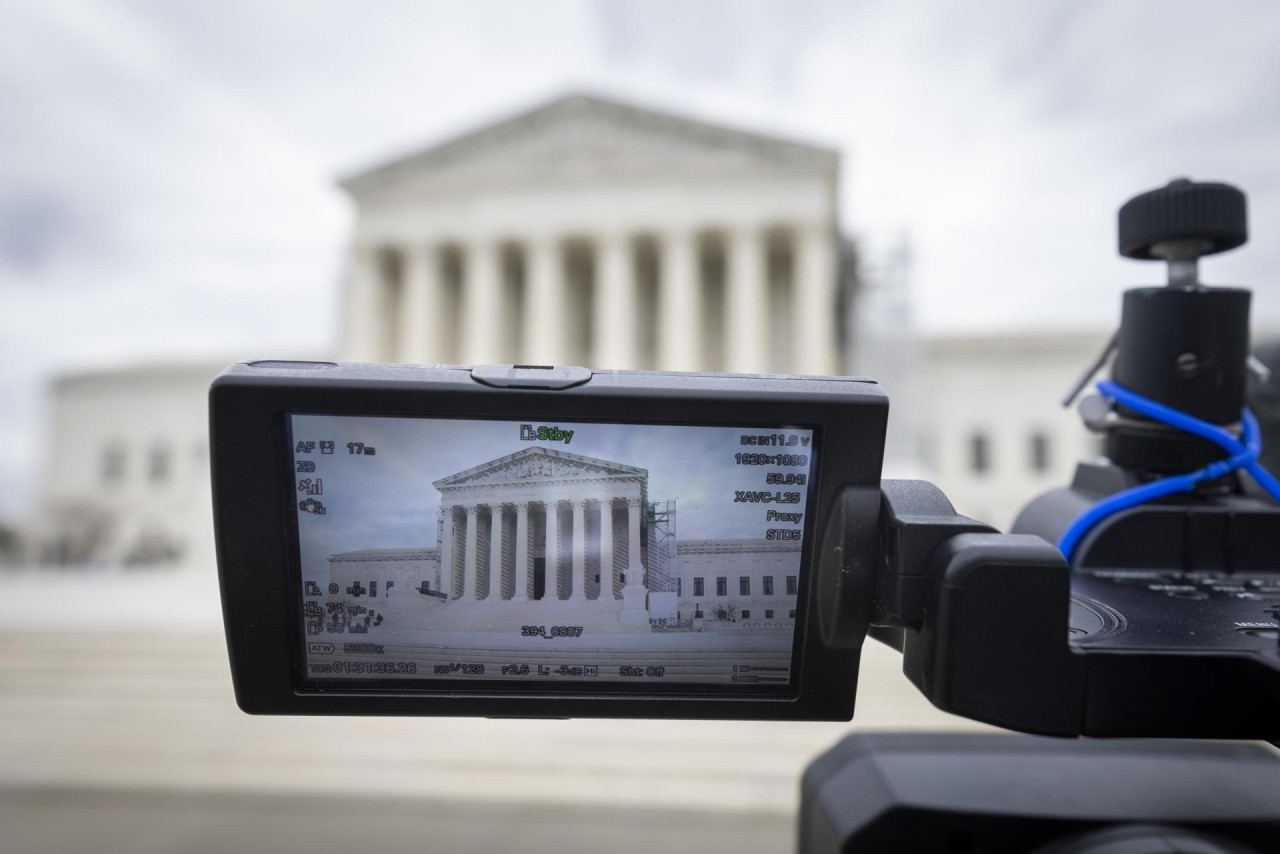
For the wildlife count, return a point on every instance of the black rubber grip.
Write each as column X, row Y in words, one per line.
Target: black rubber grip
column 1183, row 210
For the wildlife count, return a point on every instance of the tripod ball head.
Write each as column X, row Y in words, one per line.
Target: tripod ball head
column 1185, row 345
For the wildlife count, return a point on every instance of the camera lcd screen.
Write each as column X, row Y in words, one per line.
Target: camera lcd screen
column 526, row 552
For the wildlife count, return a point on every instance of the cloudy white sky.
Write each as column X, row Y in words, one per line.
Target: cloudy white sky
column 167, row 168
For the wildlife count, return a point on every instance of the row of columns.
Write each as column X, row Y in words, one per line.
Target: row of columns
column 412, row 314
column 473, row 568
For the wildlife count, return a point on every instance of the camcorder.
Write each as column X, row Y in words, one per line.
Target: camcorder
column 556, row 542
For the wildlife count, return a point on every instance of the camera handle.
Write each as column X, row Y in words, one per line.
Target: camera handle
column 997, row 628
column 980, row 617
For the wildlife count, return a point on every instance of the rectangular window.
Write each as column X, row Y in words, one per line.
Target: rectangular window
column 113, row 464
column 158, row 464
column 746, row 615
column 792, row 614
column 979, row 453
column 373, row 588
column 697, row 587
column 722, row 585
column 768, row 585
column 791, row 585
column 679, row 586
column 744, row 585
column 768, row 613
column 1039, row 451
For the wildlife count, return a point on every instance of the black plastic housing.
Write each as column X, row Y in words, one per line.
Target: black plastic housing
column 258, row 572
column 1186, row 347
column 1191, row 588
column 1211, row 214
column 885, row 793
column 980, row 617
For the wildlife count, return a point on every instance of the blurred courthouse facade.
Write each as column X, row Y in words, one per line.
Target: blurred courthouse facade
column 586, row 232
column 582, row 232
column 127, row 477
column 994, row 433
column 596, row 233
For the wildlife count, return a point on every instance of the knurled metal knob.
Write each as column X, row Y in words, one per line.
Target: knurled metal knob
column 1184, row 218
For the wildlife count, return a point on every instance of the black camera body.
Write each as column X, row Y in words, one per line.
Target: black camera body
column 1174, row 608
column 995, row 627
column 533, row 541
column 284, row 487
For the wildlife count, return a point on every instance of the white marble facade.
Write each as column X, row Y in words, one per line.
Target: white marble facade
column 126, row 481
column 592, row 232
column 550, row 532
column 542, row 524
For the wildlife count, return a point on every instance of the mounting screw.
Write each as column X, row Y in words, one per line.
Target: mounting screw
column 1188, row 365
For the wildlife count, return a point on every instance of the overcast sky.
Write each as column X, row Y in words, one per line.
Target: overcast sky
column 167, row 169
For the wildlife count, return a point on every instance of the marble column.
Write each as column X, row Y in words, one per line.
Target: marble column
column 679, row 303
column 419, row 315
column 448, row 535
column 481, row 308
column 522, row 574
column 470, row 555
column 635, row 604
column 615, row 309
column 367, row 295
column 635, row 568
column 578, row 570
column 815, row 293
column 544, row 333
column 746, row 326
column 551, row 587
column 606, row 549
column 493, row 590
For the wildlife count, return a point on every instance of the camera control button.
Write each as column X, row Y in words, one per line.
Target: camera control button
column 530, row 376
column 291, row 365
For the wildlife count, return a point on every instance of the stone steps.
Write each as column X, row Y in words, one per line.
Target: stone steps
column 155, row 709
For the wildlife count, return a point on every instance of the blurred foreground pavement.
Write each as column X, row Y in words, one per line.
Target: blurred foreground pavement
column 119, row 732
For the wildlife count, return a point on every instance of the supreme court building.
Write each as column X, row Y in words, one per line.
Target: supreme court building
column 580, row 535
column 592, row 232
column 542, row 523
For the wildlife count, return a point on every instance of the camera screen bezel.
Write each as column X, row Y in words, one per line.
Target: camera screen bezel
column 257, row 540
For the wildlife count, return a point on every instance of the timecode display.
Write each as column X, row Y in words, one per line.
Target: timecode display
column 554, row 632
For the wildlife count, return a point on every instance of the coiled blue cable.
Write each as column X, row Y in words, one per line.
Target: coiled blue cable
column 1242, row 453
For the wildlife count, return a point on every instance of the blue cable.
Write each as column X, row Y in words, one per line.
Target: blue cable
column 1242, row 453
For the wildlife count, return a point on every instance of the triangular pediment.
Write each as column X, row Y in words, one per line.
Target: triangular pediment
column 539, row 464
column 591, row 137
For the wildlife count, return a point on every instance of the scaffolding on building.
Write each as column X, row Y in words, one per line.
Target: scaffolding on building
column 663, row 562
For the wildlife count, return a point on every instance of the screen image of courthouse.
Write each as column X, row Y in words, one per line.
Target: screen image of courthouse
column 547, row 525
